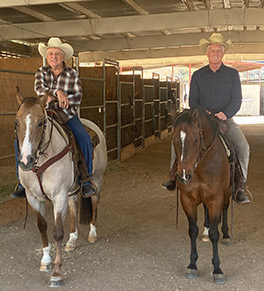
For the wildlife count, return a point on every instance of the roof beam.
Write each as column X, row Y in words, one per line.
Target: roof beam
column 167, row 41
column 79, row 8
column 33, row 13
column 190, row 4
column 11, row 3
column 208, row 4
column 176, row 21
column 226, row 4
column 135, row 6
column 246, row 51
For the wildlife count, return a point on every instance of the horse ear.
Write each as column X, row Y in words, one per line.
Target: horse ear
column 19, row 96
column 174, row 115
column 195, row 114
column 43, row 100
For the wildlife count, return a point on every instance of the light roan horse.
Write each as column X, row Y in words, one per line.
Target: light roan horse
column 39, row 141
column 203, row 176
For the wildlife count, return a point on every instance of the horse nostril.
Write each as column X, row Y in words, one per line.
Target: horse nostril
column 30, row 159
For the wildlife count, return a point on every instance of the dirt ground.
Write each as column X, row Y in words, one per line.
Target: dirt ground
column 139, row 247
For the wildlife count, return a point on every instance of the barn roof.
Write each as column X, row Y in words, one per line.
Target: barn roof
column 134, row 32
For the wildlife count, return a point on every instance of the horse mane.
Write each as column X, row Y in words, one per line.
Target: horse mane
column 30, row 100
column 186, row 117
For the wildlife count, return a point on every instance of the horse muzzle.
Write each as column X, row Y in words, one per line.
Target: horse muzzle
column 28, row 164
column 185, row 180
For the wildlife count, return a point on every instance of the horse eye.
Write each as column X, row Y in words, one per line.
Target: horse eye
column 40, row 123
column 16, row 123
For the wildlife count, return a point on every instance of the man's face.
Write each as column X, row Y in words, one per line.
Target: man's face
column 55, row 57
column 215, row 53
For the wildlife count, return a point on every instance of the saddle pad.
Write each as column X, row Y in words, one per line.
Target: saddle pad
column 225, row 145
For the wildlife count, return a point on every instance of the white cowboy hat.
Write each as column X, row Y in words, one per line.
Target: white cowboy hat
column 55, row 42
column 215, row 38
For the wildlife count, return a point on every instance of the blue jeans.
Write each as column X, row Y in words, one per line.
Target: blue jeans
column 84, row 141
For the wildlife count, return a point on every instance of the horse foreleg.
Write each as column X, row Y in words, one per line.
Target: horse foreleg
column 192, row 270
column 58, row 233
column 226, row 238
column 92, row 236
column 46, row 261
column 214, row 237
column 71, row 243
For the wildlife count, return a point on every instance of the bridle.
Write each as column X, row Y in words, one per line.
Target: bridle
column 38, row 170
column 41, row 152
column 203, row 151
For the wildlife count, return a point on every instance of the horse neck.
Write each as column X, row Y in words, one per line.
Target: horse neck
column 207, row 131
column 53, row 140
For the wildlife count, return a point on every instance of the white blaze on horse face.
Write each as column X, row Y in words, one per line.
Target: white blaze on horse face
column 183, row 174
column 182, row 137
column 26, row 146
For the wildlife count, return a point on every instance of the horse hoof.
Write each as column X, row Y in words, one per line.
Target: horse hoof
column 92, row 239
column 219, row 279
column 226, row 241
column 191, row 273
column 205, row 238
column 55, row 282
column 69, row 247
column 45, row 267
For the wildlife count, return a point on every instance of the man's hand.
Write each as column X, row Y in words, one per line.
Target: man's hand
column 50, row 98
column 220, row 115
column 63, row 99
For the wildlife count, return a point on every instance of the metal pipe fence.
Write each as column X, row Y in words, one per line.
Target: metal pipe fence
column 134, row 116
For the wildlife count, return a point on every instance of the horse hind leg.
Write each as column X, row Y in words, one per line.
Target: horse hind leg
column 71, row 243
column 205, row 235
column 92, row 236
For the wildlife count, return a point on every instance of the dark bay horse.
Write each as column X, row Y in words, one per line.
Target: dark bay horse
column 42, row 145
column 203, row 176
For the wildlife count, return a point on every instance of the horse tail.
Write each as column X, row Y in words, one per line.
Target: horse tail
column 86, row 210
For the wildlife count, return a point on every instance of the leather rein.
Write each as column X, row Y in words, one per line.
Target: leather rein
column 203, row 147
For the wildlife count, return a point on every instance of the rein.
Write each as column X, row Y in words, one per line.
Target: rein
column 202, row 146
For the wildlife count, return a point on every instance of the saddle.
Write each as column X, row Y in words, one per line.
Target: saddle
column 55, row 113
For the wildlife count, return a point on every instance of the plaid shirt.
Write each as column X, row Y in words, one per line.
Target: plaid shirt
column 67, row 81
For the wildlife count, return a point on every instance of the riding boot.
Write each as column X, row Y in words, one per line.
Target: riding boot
column 88, row 190
column 19, row 192
column 169, row 185
column 241, row 198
